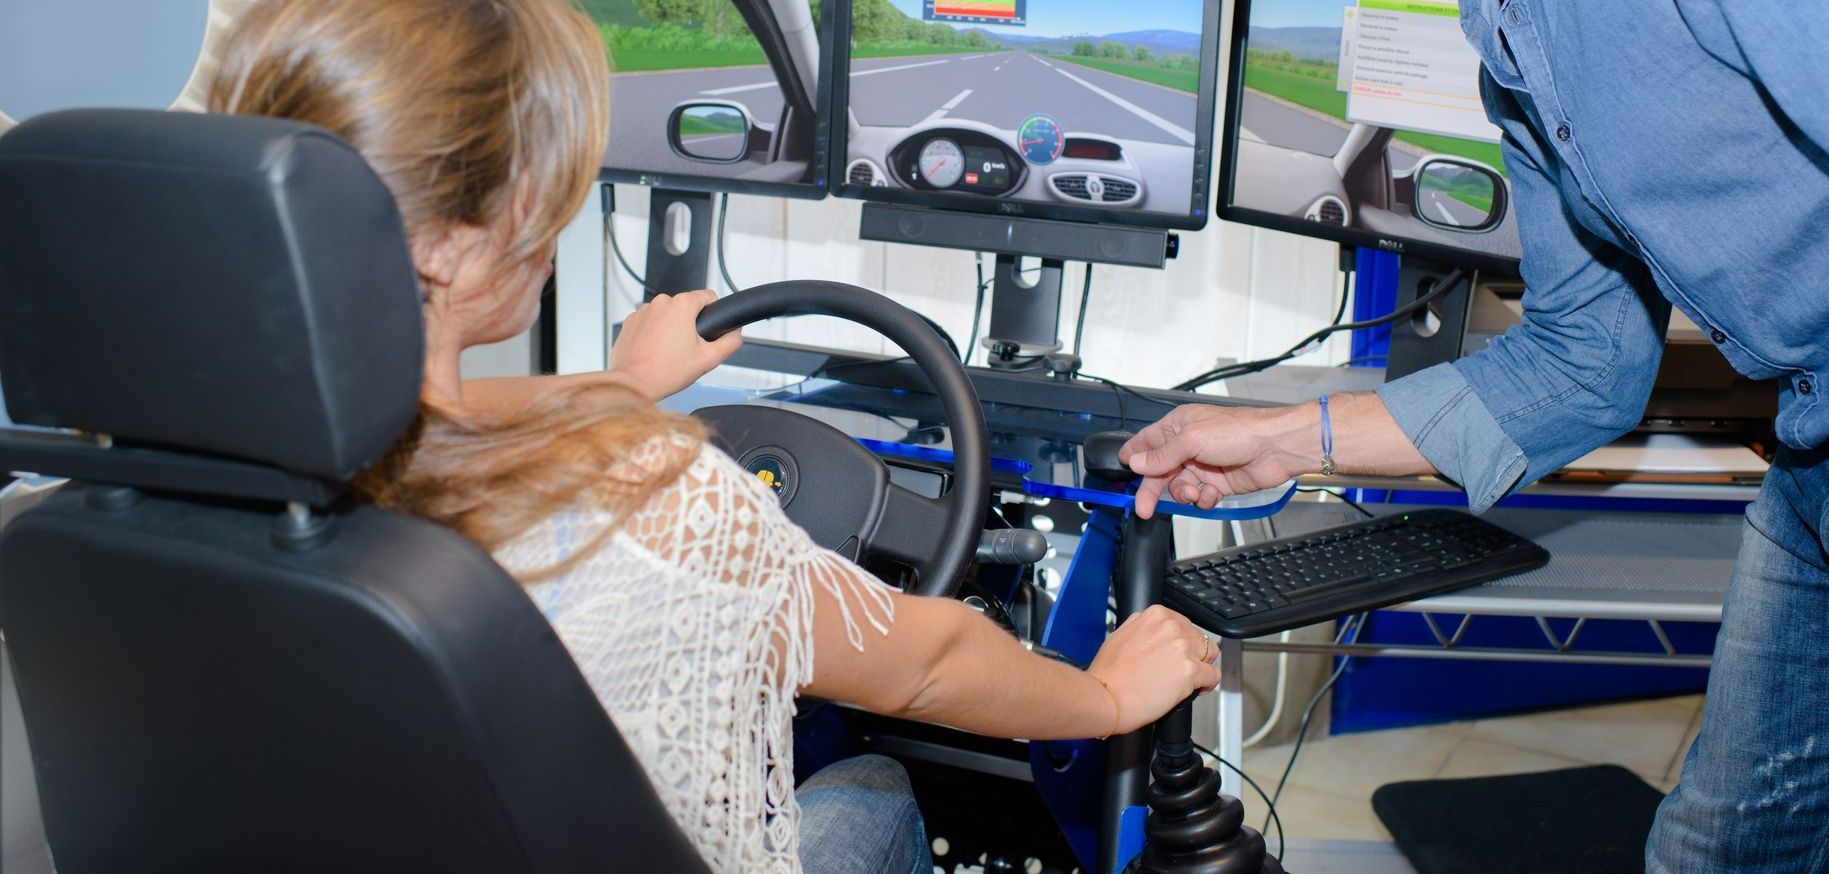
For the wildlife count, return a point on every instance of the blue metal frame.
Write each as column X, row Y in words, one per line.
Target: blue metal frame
column 1122, row 501
column 1070, row 774
column 1374, row 294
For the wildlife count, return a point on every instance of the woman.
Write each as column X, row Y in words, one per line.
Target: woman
column 694, row 608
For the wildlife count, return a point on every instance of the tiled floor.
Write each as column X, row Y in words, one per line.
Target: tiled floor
column 1329, row 794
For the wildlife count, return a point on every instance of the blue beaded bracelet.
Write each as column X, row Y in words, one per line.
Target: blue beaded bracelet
column 1327, row 441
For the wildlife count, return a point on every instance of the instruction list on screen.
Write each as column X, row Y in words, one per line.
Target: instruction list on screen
column 1406, row 65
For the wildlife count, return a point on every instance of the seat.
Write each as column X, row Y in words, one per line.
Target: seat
column 223, row 662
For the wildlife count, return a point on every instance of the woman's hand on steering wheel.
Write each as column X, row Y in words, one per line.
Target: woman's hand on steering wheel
column 1154, row 661
column 659, row 351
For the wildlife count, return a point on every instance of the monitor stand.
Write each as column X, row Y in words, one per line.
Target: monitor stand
column 679, row 242
column 1025, row 315
column 1436, row 334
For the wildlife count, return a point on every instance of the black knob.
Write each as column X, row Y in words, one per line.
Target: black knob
column 1012, row 546
column 1100, row 455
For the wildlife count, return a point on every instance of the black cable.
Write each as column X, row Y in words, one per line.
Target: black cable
column 1343, row 499
column 943, row 335
column 1308, row 712
column 977, row 313
column 1340, row 312
column 1079, row 325
column 1260, row 793
column 1121, row 389
column 724, row 268
column 609, row 246
column 1117, row 391
column 1361, row 360
column 1437, row 290
column 608, row 194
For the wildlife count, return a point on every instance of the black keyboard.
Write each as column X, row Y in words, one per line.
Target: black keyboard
column 1269, row 587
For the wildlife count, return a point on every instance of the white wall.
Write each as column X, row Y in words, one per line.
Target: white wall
column 1235, row 291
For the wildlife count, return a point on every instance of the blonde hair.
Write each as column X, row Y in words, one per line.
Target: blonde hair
column 461, row 106
column 469, row 110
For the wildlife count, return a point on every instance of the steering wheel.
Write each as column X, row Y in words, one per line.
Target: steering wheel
column 827, row 482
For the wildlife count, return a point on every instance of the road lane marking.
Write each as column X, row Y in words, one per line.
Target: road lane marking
column 737, row 88
column 1175, row 130
column 1446, row 215
column 858, row 73
column 948, row 106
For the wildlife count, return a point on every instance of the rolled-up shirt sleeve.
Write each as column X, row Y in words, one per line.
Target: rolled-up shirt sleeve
column 1574, row 374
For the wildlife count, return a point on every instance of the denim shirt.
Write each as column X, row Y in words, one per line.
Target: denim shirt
column 1660, row 152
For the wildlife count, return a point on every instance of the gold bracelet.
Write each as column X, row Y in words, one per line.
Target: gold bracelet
column 1115, row 715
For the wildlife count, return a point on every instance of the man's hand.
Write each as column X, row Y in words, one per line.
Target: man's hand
column 1199, row 454
column 660, row 351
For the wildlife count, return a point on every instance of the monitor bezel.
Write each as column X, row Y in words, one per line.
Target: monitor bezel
column 1201, row 193
column 821, row 162
column 1228, row 169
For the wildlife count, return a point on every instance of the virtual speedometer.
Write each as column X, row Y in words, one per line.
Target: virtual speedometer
column 1041, row 139
column 942, row 163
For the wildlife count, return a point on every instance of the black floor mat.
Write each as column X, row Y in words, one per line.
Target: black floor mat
column 1593, row 820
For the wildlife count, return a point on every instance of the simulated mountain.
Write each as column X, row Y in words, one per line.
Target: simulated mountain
column 1308, row 43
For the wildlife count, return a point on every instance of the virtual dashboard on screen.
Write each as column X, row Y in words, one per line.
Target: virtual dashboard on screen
column 1080, row 106
column 1366, row 116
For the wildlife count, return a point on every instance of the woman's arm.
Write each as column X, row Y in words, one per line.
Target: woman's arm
column 932, row 659
column 942, row 662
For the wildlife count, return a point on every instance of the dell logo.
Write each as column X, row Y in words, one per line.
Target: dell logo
column 1391, row 245
column 1008, row 207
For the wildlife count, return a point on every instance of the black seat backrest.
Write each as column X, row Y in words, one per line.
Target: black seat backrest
column 223, row 665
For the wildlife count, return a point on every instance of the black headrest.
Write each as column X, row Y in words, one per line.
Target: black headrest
column 227, row 284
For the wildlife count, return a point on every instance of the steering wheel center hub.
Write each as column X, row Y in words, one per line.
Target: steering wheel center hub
column 776, row 469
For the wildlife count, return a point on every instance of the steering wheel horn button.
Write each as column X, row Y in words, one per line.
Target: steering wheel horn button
column 776, row 469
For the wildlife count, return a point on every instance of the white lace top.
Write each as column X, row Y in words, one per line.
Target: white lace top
column 694, row 624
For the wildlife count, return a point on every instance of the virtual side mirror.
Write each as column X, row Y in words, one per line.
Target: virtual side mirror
column 1458, row 194
column 717, row 131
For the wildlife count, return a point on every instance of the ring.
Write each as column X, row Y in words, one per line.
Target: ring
column 1206, row 648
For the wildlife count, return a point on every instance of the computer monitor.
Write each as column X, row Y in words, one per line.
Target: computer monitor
column 1360, row 121
column 716, row 95
column 1083, row 110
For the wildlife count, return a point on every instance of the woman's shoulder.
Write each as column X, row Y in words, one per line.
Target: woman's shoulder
column 708, row 476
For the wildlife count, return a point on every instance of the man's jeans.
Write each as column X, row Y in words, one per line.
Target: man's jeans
column 1755, row 790
column 858, row 816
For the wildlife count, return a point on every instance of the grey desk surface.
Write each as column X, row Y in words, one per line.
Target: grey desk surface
column 1664, row 566
column 1294, row 383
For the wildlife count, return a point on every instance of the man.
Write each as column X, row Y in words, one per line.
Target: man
column 1661, row 152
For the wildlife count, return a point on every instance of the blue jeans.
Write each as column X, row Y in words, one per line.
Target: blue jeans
column 858, row 816
column 1754, row 796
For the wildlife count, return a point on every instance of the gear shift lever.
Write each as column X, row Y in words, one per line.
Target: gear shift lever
column 1192, row 828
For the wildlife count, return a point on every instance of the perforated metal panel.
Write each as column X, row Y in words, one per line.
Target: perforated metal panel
column 1632, row 552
